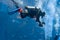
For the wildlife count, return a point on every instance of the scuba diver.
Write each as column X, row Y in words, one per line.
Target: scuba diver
column 29, row 11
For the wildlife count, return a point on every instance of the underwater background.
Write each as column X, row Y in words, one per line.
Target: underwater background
column 14, row 28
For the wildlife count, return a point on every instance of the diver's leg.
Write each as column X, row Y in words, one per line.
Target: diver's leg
column 23, row 15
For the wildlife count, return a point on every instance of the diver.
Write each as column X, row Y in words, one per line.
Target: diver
column 29, row 11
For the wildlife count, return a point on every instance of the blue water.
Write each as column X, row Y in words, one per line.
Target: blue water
column 14, row 28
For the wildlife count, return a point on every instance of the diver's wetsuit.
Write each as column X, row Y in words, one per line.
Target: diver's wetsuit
column 32, row 12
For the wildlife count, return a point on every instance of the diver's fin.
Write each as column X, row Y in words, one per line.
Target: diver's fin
column 13, row 12
column 15, row 3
